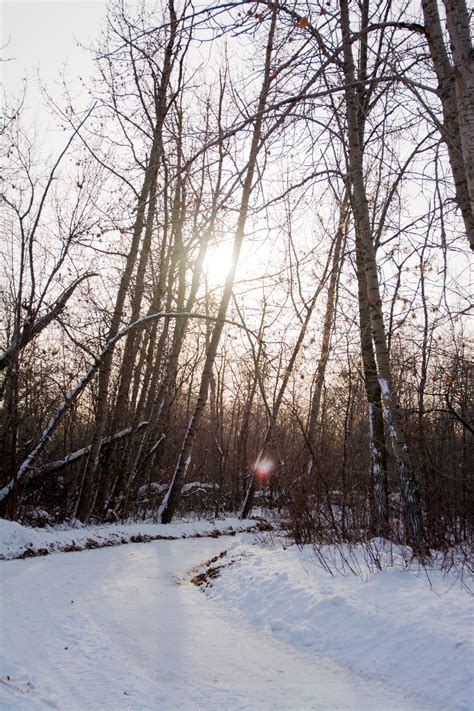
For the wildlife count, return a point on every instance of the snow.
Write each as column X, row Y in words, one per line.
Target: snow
column 23, row 541
column 124, row 628
column 152, row 488
column 198, row 486
column 384, row 387
column 396, row 625
column 6, row 489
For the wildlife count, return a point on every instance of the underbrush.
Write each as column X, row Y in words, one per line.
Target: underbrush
column 346, row 544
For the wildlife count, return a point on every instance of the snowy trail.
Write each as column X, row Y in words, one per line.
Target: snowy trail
column 118, row 628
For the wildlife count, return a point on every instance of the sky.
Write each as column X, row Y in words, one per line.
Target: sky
column 38, row 39
column 43, row 37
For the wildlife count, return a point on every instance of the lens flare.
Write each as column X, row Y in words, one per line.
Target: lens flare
column 263, row 468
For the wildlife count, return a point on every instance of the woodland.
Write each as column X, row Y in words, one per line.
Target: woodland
column 242, row 282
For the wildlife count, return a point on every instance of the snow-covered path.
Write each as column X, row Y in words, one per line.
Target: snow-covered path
column 123, row 628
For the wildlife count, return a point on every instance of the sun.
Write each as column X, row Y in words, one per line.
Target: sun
column 217, row 263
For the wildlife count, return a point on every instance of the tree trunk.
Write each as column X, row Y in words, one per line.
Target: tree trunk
column 90, row 475
column 90, row 471
column 312, row 431
column 457, row 21
column 273, row 413
column 453, row 91
column 360, row 208
column 169, row 504
column 378, row 452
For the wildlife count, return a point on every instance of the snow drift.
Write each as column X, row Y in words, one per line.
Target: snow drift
column 412, row 628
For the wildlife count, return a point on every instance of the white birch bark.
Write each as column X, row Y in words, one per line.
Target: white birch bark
column 360, row 209
column 455, row 91
column 457, row 21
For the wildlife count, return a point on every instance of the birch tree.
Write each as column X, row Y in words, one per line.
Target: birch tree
column 455, row 75
column 364, row 234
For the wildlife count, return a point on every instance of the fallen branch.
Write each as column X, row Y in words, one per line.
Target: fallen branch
column 79, row 453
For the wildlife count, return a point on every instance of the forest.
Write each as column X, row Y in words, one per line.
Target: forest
column 242, row 281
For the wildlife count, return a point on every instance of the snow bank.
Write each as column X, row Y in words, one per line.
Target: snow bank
column 18, row 541
column 393, row 626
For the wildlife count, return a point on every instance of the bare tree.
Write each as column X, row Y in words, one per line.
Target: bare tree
column 168, row 506
column 37, row 297
column 139, row 250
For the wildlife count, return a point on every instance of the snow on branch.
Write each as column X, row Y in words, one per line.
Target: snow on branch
column 79, row 453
